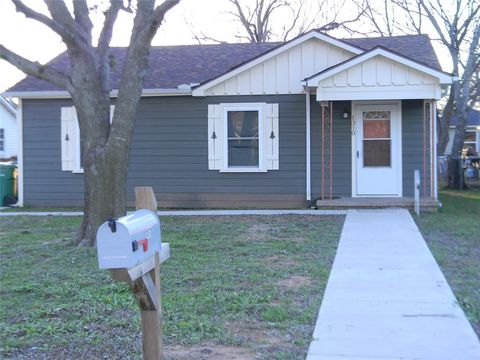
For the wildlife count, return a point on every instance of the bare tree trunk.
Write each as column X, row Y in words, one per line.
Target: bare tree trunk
column 455, row 178
column 444, row 125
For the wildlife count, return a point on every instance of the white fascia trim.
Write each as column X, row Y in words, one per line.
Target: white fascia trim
column 114, row 93
column 7, row 106
column 442, row 77
column 200, row 91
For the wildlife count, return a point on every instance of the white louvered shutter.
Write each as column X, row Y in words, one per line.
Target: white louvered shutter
column 271, row 137
column 69, row 137
column 215, row 137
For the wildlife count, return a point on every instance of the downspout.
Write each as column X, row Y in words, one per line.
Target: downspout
column 308, row 189
column 424, row 141
column 20, row 153
column 435, row 140
column 330, row 182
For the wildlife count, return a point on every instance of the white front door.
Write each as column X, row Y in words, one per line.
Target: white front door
column 377, row 151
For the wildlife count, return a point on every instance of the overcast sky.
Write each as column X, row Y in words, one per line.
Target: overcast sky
column 36, row 42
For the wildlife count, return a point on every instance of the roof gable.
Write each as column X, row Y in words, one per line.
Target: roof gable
column 276, row 53
column 443, row 77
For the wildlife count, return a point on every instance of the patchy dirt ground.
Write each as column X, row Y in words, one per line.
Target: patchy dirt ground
column 295, row 282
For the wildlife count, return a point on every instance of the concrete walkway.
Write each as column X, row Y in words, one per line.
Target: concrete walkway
column 386, row 297
column 189, row 212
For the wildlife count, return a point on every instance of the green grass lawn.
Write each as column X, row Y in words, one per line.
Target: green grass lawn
column 453, row 235
column 235, row 287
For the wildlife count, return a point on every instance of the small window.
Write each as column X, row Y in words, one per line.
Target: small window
column 243, row 138
column 2, row 139
column 470, row 144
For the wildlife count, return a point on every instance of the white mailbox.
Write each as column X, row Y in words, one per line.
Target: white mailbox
column 125, row 242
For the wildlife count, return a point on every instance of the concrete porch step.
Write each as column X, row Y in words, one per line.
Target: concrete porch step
column 426, row 204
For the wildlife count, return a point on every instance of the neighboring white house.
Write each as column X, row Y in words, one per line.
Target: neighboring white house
column 8, row 129
column 472, row 133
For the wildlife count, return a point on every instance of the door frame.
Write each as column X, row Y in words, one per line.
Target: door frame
column 397, row 104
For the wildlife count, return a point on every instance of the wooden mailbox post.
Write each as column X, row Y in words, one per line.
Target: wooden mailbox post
column 144, row 280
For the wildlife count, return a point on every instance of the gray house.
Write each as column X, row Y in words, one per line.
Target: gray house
column 256, row 125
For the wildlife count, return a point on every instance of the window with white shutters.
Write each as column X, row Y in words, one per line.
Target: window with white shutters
column 243, row 137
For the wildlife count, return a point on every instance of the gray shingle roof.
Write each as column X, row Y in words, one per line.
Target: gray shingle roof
column 416, row 47
column 171, row 66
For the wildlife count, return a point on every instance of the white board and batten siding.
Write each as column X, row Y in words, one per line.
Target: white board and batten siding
column 268, row 134
column 283, row 73
column 378, row 78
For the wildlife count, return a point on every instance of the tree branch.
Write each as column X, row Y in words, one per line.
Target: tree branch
column 41, row 18
column 81, row 12
column 43, row 72
column 103, row 46
column 161, row 10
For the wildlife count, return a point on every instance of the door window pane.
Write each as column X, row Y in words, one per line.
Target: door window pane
column 376, row 129
column 243, row 142
column 376, row 115
column 376, row 153
column 376, row 138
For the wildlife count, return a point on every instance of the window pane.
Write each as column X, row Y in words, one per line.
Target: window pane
column 376, row 152
column 374, row 129
column 470, row 136
column 242, row 153
column 242, row 124
column 376, row 115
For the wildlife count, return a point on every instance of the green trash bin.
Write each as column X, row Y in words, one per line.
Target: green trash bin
column 7, row 180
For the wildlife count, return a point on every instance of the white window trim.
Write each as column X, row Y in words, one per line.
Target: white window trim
column 261, row 124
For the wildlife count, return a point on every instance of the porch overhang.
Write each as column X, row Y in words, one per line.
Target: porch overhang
column 378, row 74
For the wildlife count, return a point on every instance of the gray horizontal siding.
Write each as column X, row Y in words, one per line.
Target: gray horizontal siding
column 412, row 146
column 169, row 152
column 342, row 151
